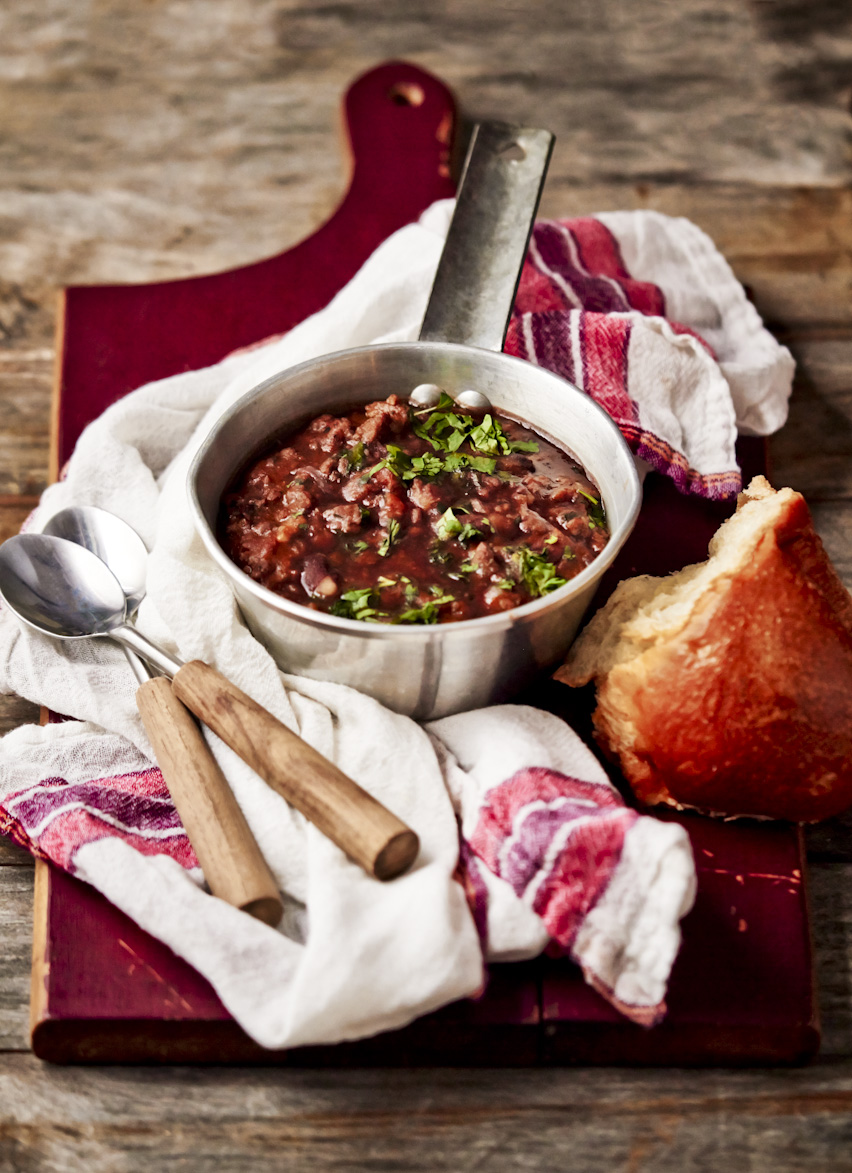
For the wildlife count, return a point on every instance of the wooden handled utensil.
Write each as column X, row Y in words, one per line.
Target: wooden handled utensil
column 367, row 831
column 227, row 851
column 232, row 862
column 64, row 590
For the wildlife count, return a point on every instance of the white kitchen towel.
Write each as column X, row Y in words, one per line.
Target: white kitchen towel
column 548, row 850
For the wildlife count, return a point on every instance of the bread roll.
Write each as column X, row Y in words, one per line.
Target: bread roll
column 727, row 687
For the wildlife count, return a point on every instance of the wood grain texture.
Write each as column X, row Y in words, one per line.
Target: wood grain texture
column 362, row 827
column 230, row 858
column 16, row 921
column 617, row 1121
column 25, row 388
column 11, row 855
column 15, row 711
column 831, row 910
column 240, row 96
column 167, row 139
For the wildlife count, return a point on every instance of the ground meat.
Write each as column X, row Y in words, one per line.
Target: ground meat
column 391, row 411
column 332, row 433
column 366, row 517
column 517, row 464
column 536, row 526
column 355, row 488
column 424, row 494
column 343, row 519
column 295, row 498
column 484, row 560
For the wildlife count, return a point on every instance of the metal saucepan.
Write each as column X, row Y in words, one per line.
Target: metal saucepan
column 428, row 672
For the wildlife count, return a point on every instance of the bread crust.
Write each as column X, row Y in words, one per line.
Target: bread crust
column 728, row 687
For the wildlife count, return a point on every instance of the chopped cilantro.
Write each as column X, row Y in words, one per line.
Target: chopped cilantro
column 443, row 403
column 505, row 584
column 396, row 460
column 438, row 555
column 359, row 547
column 489, row 436
column 356, row 605
column 408, row 467
column 447, row 526
column 481, row 463
column 424, row 466
column 538, row 574
column 428, row 613
column 355, row 456
column 389, row 538
column 446, row 431
column 596, row 511
column 456, row 461
column 551, row 539
column 385, row 582
column 468, row 532
column 431, row 466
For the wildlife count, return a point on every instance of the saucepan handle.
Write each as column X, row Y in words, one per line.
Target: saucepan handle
column 480, row 267
column 364, row 829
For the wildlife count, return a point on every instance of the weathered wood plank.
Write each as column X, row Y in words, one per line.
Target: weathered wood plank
column 13, row 856
column 15, row 711
column 830, row 890
column 813, row 453
column 679, row 107
column 833, row 521
column 118, row 1121
column 16, row 919
column 831, row 841
column 26, row 380
column 14, row 511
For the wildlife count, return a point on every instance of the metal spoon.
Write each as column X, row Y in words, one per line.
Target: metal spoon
column 118, row 545
column 114, row 541
column 227, row 851
column 429, row 394
column 63, row 590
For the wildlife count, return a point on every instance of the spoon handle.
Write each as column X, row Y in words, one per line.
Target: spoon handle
column 216, row 827
column 364, row 829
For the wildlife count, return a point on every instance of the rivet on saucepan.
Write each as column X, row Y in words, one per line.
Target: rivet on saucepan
column 425, row 395
column 473, row 401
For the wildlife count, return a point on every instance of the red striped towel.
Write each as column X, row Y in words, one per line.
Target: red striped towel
column 616, row 334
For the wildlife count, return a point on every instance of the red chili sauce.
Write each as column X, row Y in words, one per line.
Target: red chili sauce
column 392, row 514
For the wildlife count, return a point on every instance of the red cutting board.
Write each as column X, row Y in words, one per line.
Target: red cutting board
column 104, row 991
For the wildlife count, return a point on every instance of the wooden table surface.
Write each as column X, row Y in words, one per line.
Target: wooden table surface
column 172, row 137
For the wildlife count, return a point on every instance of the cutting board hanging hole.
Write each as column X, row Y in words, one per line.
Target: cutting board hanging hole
column 407, row 93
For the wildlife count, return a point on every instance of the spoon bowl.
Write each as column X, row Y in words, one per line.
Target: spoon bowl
column 113, row 540
column 60, row 588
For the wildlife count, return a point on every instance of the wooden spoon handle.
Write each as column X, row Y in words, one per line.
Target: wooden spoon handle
column 227, row 851
column 367, row 831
